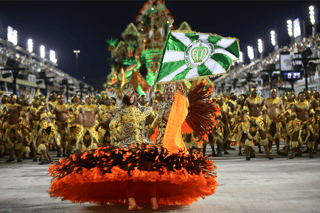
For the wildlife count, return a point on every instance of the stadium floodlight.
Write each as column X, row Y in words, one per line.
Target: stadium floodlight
column 10, row 34
column 314, row 19
column 312, row 15
column 42, row 51
column 240, row 57
column 15, row 37
column 273, row 38
column 30, row 45
column 250, row 52
column 52, row 55
column 289, row 26
column 260, row 46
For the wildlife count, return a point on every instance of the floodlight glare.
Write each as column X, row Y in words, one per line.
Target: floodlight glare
column 15, row 37
column 42, row 51
column 241, row 57
column 10, row 33
column 250, row 52
column 52, row 55
column 30, row 45
column 312, row 15
column 289, row 25
column 260, row 45
column 273, row 37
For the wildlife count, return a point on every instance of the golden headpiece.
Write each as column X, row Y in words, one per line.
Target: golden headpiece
column 127, row 88
column 169, row 84
column 74, row 97
column 60, row 96
column 13, row 96
column 273, row 90
column 254, row 89
column 88, row 96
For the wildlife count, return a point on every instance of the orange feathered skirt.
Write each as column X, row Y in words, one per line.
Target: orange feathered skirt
column 100, row 176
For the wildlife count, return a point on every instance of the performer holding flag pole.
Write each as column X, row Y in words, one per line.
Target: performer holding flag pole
column 136, row 165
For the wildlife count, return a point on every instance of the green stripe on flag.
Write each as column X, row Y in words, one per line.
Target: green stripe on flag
column 214, row 39
column 223, row 60
column 169, row 67
column 217, row 47
column 233, row 48
column 203, row 70
column 175, row 44
column 182, row 75
column 192, row 36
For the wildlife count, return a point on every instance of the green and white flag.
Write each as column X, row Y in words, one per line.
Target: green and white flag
column 188, row 55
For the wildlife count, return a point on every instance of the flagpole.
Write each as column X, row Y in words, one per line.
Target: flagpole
column 165, row 45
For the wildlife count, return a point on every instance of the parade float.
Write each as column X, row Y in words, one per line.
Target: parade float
column 135, row 57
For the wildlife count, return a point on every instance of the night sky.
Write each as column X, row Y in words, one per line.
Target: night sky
column 68, row 25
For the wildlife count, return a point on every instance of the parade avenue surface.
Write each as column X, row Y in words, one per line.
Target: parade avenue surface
column 259, row 185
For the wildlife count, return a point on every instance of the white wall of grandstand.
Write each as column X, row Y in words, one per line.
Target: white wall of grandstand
column 30, row 79
column 241, row 76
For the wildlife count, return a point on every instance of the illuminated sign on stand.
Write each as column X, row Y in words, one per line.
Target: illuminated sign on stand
column 288, row 73
column 292, row 75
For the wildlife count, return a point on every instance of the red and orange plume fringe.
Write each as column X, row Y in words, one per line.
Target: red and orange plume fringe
column 202, row 109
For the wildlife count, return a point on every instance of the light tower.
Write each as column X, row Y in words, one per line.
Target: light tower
column 290, row 30
column 250, row 52
column 42, row 51
column 274, row 40
column 77, row 52
column 30, row 45
column 240, row 57
column 313, row 12
column 260, row 47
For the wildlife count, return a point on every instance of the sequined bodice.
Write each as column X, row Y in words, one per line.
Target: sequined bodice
column 132, row 122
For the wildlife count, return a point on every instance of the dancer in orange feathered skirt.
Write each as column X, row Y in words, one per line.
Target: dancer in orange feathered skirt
column 136, row 170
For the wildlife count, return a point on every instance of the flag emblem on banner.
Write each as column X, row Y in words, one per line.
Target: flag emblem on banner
column 188, row 55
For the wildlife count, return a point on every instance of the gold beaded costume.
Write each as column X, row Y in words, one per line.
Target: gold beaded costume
column 104, row 135
column 304, row 128
column 12, row 134
column 89, row 133
column 62, row 128
column 269, row 123
column 47, row 130
column 252, row 131
column 132, row 122
column 76, row 130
